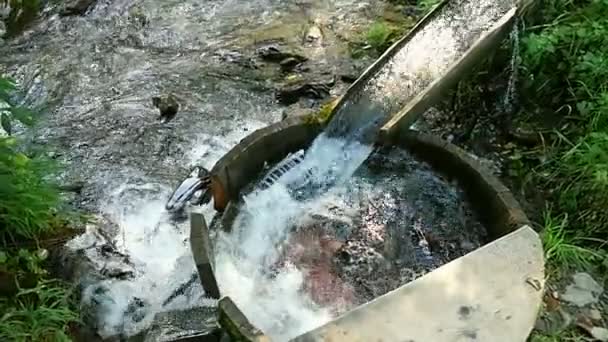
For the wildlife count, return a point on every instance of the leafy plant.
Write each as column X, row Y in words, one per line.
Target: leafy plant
column 28, row 202
column 562, row 247
column 378, row 36
column 10, row 112
column 567, row 63
column 24, row 261
column 31, row 308
column 39, row 314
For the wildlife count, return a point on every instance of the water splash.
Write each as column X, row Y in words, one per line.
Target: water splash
column 159, row 253
column 246, row 259
column 295, row 187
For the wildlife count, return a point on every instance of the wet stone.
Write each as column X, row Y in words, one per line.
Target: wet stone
column 314, row 36
column 2, row 31
column 237, row 58
column 584, row 290
column 77, row 7
column 288, row 64
column 183, row 324
column 305, row 87
column 275, row 53
column 167, row 105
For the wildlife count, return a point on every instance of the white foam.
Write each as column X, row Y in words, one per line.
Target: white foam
column 247, row 257
column 157, row 245
column 161, row 255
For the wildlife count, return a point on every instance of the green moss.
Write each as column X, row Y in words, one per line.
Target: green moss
column 382, row 33
column 324, row 114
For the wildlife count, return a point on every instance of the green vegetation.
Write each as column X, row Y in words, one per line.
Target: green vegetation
column 22, row 13
column 379, row 37
column 32, row 306
column 394, row 23
column 566, row 63
column 560, row 169
column 563, row 93
column 324, row 113
column 570, row 336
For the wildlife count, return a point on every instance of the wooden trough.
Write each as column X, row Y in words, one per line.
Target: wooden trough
column 491, row 294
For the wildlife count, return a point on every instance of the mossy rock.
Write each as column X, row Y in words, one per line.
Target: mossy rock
column 324, row 114
column 384, row 32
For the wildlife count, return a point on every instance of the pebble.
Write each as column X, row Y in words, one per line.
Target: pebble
column 583, row 291
column 595, row 314
column 314, row 35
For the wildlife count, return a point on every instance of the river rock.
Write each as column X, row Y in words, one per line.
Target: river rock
column 288, row 64
column 305, row 87
column 584, row 290
column 137, row 15
column 188, row 325
column 297, row 110
column 237, row 58
column 167, row 106
column 276, row 53
column 349, row 69
column 77, row 7
column 314, row 36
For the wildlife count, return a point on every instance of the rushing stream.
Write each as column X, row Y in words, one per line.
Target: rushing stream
column 94, row 77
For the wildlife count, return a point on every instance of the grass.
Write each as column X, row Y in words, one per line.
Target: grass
column 562, row 93
column 29, row 202
column 385, row 31
column 379, row 37
column 42, row 313
column 566, row 62
column 568, row 336
column 564, row 248
column 33, row 307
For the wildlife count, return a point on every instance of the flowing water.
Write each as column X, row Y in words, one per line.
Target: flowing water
column 95, row 76
column 268, row 215
column 386, row 223
column 425, row 57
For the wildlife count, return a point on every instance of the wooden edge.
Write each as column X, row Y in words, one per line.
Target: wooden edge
column 423, row 100
column 387, row 55
column 202, row 252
